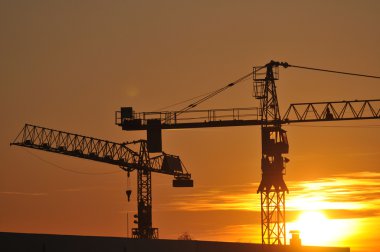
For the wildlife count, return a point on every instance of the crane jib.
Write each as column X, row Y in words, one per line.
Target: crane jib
column 297, row 112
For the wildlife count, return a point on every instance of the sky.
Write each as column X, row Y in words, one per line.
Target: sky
column 69, row 65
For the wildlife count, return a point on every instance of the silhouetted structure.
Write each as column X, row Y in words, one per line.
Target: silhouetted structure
column 15, row 242
column 128, row 156
column 295, row 240
column 272, row 187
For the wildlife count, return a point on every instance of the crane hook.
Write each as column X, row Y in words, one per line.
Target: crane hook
column 129, row 192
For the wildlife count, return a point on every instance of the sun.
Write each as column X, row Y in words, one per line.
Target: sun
column 312, row 225
column 317, row 229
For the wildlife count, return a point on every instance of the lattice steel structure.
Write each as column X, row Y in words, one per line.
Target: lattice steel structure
column 128, row 156
column 274, row 144
column 297, row 112
column 333, row 111
column 273, row 228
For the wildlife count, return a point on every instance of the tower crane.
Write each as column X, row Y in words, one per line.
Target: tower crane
column 129, row 156
column 274, row 140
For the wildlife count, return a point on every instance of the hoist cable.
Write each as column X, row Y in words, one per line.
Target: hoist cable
column 211, row 94
column 181, row 102
column 214, row 93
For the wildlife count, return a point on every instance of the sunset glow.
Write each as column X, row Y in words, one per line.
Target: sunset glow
column 317, row 229
column 336, row 211
column 70, row 65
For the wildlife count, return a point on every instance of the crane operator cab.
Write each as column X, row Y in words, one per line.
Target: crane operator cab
column 274, row 141
column 274, row 144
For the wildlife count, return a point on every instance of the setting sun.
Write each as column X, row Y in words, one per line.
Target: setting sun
column 317, row 229
column 312, row 226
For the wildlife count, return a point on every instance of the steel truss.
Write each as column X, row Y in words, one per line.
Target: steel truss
column 332, row 111
column 273, row 217
column 144, row 200
column 297, row 112
column 95, row 149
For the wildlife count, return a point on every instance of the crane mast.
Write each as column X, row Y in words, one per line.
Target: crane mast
column 144, row 199
column 272, row 187
column 123, row 155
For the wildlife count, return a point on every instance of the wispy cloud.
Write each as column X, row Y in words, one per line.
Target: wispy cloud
column 85, row 189
column 23, row 193
column 351, row 202
column 354, row 194
column 354, row 191
column 235, row 197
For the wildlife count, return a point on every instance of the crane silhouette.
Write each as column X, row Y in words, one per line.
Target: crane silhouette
column 128, row 156
column 274, row 139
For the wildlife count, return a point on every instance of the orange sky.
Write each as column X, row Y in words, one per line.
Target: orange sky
column 70, row 64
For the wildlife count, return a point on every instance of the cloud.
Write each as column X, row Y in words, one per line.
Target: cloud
column 363, row 175
column 355, row 191
column 235, row 197
column 351, row 214
column 23, row 194
column 86, row 189
column 354, row 195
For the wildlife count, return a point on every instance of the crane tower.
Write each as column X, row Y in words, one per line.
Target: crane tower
column 274, row 140
column 129, row 156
